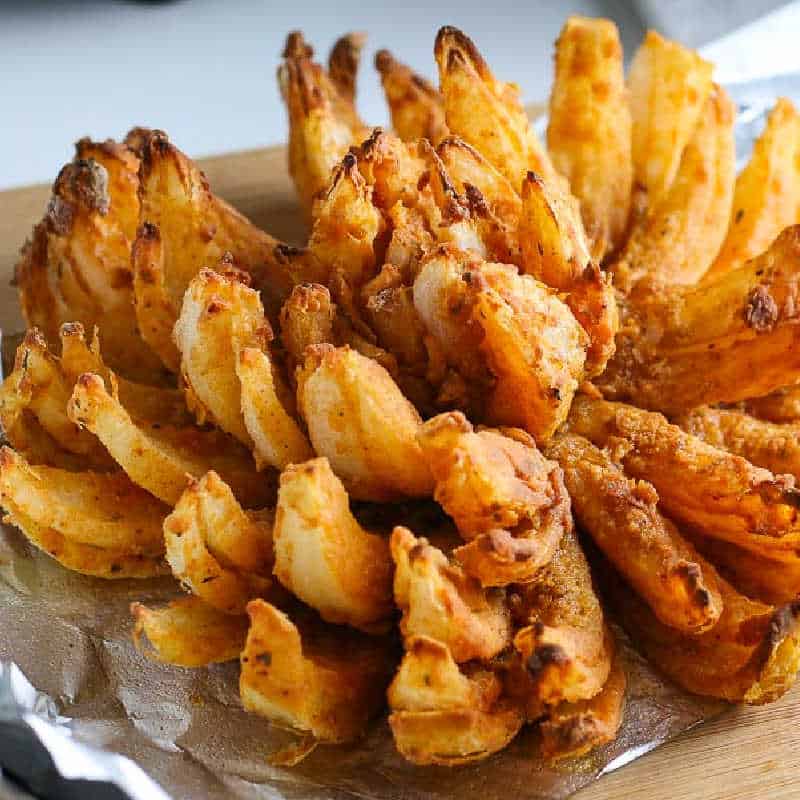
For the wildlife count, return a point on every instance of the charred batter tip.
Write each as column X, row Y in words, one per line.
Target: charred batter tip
column 136, row 138
column 543, row 656
column 761, row 310
column 459, row 46
column 297, row 47
column 476, row 200
column 83, row 184
column 384, row 61
column 534, row 177
column 71, row 329
column 783, row 622
column 149, row 232
column 285, row 252
column 369, row 147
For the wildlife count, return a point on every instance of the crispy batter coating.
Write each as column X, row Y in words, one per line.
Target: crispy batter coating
column 188, row 633
column 555, row 251
column 343, row 61
column 360, row 421
column 506, row 329
column 508, row 501
column 680, row 235
column 751, row 655
column 716, row 493
column 220, row 316
column 668, row 86
column 141, row 400
column 183, row 228
column 765, row 444
column 487, row 112
column 767, row 193
column 306, row 319
column 312, row 677
column 723, row 341
column 322, row 120
column 76, row 266
column 440, row 601
column 492, row 200
column 218, row 551
column 589, row 127
column 322, row 554
column 782, row 405
column 162, row 458
column 415, row 104
column 229, row 376
column 571, row 730
column 563, row 647
column 772, row 580
column 98, row 562
column 33, row 411
column 622, row 517
column 443, row 715
column 346, row 224
column 99, row 509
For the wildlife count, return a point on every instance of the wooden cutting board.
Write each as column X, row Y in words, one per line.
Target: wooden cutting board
column 747, row 754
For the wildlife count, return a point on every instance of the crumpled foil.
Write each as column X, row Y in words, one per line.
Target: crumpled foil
column 100, row 708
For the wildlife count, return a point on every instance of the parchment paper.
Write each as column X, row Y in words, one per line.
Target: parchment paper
column 70, row 636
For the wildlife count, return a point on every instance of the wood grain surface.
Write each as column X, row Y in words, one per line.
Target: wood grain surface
column 747, row 754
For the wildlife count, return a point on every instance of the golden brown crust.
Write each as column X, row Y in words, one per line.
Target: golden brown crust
column 415, row 104
column 719, row 495
column 562, row 648
column 622, row 517
column 440, row 601
column 343, row 63
column 508, row 501
column 188, row 633
column 442, row 715
column 589, row 127
column 751, row 655
column 722, row 341
column 307, row 676
column 571, row 730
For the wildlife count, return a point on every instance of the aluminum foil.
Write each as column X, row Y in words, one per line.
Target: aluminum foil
column 99, row 708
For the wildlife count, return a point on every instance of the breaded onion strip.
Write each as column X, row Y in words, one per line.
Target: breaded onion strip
column 668, row 85
column 508, row 501
column 564, row 648
column 416, row 106
column 229, row 376
column 322, row 122
column 751, row 655
column 188, row 633
column 765, row 444
column 765, row 200
column 589, row 127
column 716, row 493
column 92, row 508
column 218, row 551
column 555, row 250
column 311, row 677
column 571, row 730
column 360, row 421
column 724, row 341
column 486, row 112
column 161, row 458
column 622, row 517
column 439, row 601
column 323, row 556
column 680, row 235
column 443, row 715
